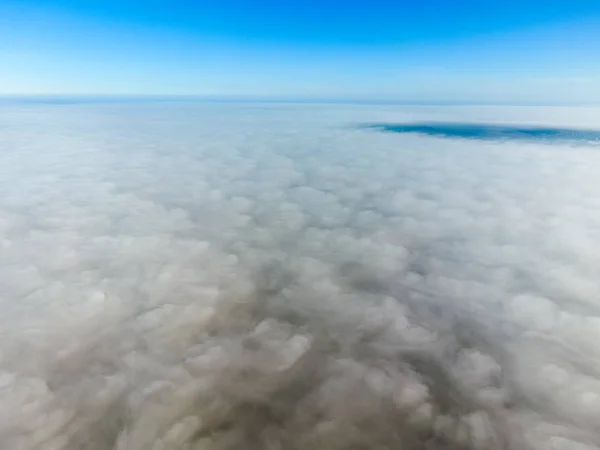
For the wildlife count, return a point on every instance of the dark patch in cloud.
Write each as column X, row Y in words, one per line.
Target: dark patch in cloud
column 491, row 132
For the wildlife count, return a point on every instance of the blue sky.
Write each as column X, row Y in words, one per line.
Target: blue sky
column 440, row 50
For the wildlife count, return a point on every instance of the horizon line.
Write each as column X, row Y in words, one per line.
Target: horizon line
column 248, row 98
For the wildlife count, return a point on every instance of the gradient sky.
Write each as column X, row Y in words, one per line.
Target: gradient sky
column 439, row 50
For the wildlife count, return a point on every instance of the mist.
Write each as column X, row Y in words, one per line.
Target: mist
column 279, row 276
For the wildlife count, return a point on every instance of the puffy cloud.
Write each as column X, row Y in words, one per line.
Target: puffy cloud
column 226, row 276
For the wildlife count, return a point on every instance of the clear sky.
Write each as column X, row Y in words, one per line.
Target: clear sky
column 436, row 50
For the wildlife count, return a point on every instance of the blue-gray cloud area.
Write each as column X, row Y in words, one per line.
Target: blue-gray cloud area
column 492, row 132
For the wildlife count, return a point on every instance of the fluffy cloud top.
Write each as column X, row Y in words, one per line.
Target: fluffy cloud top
column 187, row 276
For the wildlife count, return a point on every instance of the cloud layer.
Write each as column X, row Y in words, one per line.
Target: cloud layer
column 222, row 276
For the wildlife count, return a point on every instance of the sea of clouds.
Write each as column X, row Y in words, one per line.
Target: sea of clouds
column 277, row 276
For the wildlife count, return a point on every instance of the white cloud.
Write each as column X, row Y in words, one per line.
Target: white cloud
column 230, row 275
